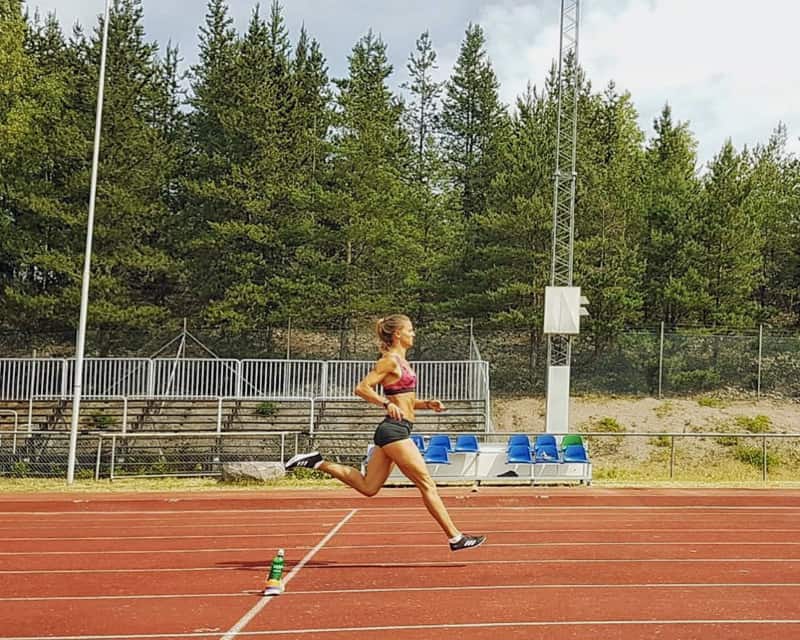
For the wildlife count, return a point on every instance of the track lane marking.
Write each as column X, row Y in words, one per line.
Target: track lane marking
column 432, row 563
column 648, row 543
column 482, row 587
column 569, row 508
column 466, row 625
column 265, row 600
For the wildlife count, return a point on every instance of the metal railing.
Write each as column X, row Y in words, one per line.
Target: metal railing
column 11, row 412
column 310, row 400
column 201, row 454
column 25, row 378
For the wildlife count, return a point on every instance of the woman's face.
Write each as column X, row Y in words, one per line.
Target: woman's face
column 405, row 335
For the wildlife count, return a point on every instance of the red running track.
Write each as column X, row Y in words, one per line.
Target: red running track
column 560, row 563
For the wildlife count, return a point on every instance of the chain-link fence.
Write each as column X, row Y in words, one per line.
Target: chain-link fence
column 694, row 457
column 651, row 361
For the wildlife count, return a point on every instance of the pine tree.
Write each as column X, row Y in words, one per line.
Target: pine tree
column 674, row 284
column 438, row 227
column 40, row 151
column 773, row 196
column 366, row 229
column 729, row 240
column 472, row 122
column 608, row 263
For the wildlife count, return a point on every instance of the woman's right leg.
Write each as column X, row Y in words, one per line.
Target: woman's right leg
column 378, row 469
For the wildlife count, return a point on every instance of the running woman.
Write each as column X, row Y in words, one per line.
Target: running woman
column 393, row 444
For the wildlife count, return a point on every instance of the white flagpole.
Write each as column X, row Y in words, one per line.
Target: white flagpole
column 87, row 261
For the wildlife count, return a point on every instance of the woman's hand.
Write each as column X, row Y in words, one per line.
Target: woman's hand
column 394, row 412
column 435, row 405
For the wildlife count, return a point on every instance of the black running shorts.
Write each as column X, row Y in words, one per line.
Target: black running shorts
column 391, row 430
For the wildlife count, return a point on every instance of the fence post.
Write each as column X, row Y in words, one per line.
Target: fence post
column 151, row 383
column 671, row 457
column 32, row 375
column 99, row 454
column 289, row 339
column 323, row 386
column 764, row 458
column 113, row 457
column 64, row 382
column 661, row 360
column 760, row 350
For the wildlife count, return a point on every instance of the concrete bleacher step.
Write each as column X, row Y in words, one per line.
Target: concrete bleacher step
column 355, row 415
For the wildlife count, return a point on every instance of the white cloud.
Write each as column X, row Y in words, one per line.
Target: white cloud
column 728, row 67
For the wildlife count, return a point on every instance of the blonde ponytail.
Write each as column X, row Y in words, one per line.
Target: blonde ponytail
column 386, row 327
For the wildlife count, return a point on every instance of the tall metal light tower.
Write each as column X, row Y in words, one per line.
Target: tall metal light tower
column 562, row 300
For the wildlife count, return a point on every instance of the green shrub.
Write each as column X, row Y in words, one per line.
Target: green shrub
column 609, row 425
column 101, row 421
column 711, row 401
column 664, row 409
column 20, row 469
column 755, row 424
column 267, row 409
column 754, row 456
column 697, row 380
column 660, row 441
column 604, row 445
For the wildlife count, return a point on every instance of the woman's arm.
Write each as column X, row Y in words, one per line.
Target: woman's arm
column 365, row 388
column 433, row 405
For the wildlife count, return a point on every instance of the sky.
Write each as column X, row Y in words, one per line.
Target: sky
column 727, row 67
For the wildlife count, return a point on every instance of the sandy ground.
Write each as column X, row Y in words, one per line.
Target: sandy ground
column 649, row 415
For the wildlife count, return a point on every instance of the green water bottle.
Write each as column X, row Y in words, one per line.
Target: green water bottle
column 276, row 571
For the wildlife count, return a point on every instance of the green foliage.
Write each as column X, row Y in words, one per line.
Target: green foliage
column 754, row 456
column 266, row 409
column 267, row 194
column 711, row 401
column 661, row 441
column 101, row 421
column 604, row 445
column 754, row 424
column 664, row 409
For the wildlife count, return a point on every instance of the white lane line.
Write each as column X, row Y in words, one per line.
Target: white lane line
column 587, row 543
column 177, row 537
column 141, row 551
column 482, row 587
column 372, row 533
column 160, row 512
column 646, row 543
column 11, row 515
column 265, row 600
column 146, row 570
column 432, row 563
column 472, row 625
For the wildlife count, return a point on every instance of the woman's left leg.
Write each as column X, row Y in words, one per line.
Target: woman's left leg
column 378, row 469
column 406, row 455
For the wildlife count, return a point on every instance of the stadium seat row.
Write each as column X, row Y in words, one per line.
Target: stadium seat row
column 518, row 448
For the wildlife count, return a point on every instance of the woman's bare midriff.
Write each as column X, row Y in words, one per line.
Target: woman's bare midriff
column 406, row 403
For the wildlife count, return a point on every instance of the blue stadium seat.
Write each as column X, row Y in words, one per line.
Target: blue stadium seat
column 467, row 443
column 546, row 453
column 575, row 453
column 418, row 440
column 441, row 441
column 518, row 439
column 544, row 439
column 437, row 454
column 519, row 454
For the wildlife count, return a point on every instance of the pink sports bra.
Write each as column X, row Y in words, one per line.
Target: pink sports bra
column 406, row 383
